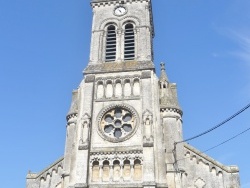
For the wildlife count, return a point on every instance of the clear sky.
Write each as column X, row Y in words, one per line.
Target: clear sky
column 44, row 47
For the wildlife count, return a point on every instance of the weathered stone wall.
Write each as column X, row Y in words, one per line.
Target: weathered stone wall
column 48, row 178
column 203, row 171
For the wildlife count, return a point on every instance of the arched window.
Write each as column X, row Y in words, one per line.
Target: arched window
column 129, row 42
column 126, row 169
column 110, row 54
column 137, row 170
column 95, row 171
column 106, row 170
column 117, row 170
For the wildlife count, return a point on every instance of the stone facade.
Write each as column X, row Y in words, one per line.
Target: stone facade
column 124, row 121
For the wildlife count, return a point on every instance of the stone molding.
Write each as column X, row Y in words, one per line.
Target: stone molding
column 99, row 3
column 80, row 185
column 114, row 78
column 178, row 111
column 120, row 21
column 119, row 99
column 131, row 151
column 120, row 156
column 109, row 67
column 71, row 116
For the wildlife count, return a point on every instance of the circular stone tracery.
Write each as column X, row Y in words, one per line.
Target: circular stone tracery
column 117, row 123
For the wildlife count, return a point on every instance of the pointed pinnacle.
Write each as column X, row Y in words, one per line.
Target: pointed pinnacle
column 163, row 76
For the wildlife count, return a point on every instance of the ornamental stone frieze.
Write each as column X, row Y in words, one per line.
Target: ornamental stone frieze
column 116, row 167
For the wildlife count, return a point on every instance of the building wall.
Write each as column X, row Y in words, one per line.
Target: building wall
column 51, row 177
column 102, row 149
column 203, row 171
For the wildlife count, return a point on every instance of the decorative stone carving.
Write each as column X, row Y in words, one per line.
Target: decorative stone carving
column 117, row 88
column 117, row 123
column 199, row 183
column 84, row 137
column 148, row 138
column 117, row 166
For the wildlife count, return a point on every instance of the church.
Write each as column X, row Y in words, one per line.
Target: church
column 124, row 120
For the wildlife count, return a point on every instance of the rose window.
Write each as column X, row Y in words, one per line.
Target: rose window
column 117, row 123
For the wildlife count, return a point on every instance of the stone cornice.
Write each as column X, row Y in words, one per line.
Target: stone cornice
column 118, row 67
column 133, row 151
column 170, row 109
column 194, row 153
column 99, row 3
column 72, row 115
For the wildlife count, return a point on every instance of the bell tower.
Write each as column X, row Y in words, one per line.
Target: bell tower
column 114, row 118
column 122, row 31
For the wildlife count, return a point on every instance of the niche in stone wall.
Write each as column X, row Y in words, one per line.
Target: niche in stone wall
column 137, row 170
column 118, row 88
column 109, row 89
column 117, row 170
column 106, row 171
column 42, row 182
column 100, row 90
column 95, row 171
column 136, row 87
column 126, row 170
column 127, row 88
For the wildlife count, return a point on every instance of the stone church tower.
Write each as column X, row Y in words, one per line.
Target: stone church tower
column 124, row 120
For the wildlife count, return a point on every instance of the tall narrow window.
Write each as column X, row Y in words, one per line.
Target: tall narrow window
column 129, row 42
column 111, row 44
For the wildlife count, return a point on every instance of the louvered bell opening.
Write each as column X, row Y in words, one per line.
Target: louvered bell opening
column 110, row 44
column 129, row 42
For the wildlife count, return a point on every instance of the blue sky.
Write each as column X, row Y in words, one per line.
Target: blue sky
column 44, row 46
